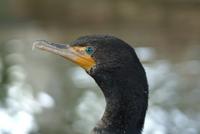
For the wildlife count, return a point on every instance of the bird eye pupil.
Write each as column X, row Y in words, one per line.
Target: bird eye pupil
column 89, row 50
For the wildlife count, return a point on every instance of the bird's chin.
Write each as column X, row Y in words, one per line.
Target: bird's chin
column 92, row 71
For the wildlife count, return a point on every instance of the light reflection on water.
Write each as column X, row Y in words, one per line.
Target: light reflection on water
column 80, row 78
column 89, row 111
column 18, row 115
column 167, row 113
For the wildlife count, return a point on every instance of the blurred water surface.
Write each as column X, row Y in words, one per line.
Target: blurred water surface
column 41, row 93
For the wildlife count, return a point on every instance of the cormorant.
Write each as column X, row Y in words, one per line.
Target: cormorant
column 117, row 70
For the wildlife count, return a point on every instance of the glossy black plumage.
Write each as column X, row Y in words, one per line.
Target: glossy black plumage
column 122, row 79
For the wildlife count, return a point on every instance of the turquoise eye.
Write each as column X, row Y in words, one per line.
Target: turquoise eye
column 89, row 50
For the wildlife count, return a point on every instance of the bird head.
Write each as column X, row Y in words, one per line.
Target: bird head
column 92, row 53
column 116, row 69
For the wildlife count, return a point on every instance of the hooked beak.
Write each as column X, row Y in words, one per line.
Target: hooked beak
column 75, row 54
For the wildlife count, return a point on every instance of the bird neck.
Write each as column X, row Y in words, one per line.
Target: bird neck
column 126, row 96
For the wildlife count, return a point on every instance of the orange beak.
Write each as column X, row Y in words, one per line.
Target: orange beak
column 75, row 54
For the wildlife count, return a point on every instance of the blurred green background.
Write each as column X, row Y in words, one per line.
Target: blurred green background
column 41, row 93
